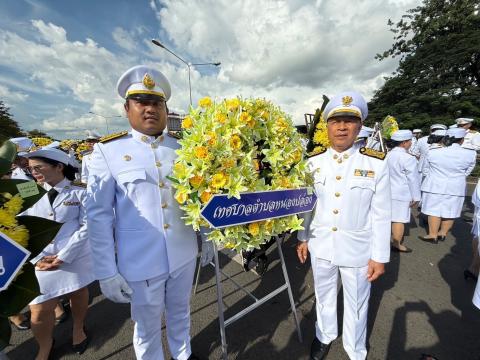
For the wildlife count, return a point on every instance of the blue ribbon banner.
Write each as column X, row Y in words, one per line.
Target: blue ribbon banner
column 222, row 211
column 12, row 258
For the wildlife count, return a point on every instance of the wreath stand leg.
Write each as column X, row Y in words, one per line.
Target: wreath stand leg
column 220, row 304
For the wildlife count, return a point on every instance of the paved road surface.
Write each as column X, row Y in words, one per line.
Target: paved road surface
column 421, row 305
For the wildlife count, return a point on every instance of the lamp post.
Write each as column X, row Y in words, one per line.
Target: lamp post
column 106, row 118
column 189, row 65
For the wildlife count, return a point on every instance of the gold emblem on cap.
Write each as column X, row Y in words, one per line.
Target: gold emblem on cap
column 148, row 81
column 347, row 100
column 127, row 158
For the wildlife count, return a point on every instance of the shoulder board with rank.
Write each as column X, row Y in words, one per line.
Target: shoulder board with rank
column 175, row 134
column 108, row 138
column 373, row 153
column 315, row 153
column 79, row 184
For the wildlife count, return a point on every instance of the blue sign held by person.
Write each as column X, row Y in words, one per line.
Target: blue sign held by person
column 12, row 258
column 222, row 212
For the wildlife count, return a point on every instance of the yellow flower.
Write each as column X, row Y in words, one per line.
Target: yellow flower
column 244, row 116
column 196, row 181
column 212, row 138
column 235, row 142
column 265, row 115
column 181, row 197
column 221, row 118
column 227, row 164
column 201, row 152
column 284, row 182
column 14, row 205
column 269, row 225
column 187, row 122
column 179, row 170
column 206, row 195
column 256, row 164
column 219, row 180
column 281, row 124
column 205, row 102
column 232, row 104
column 6, row 219
column 254, row 228
column 19, row 234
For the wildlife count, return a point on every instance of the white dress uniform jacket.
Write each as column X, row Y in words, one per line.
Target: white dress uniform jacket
column 422, row 148
column 351, row 221
column 404, row 175
column 84, row 172
column 414, row 147
column 131, row 209
column 467, row 141
column 70, row 244
column 447, row 169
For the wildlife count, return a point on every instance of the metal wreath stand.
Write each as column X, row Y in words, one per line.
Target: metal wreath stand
column 257, row 302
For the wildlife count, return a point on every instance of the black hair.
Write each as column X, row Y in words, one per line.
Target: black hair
column 449, row 140
column 435, row 139
column 68, row 170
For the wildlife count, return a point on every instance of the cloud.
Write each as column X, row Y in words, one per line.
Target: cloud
column 288, row 51
column 124, row 39
column 10, row 96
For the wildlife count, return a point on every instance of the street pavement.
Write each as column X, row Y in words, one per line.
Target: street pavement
column 421, row 305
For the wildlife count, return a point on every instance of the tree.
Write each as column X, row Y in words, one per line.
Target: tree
column 36, row 133
column 8, row 127
column 438, row 76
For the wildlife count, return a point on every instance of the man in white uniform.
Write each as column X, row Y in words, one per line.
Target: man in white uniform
column 349, row 229
column 92, row 138
column 132, row 214
column 466, row 123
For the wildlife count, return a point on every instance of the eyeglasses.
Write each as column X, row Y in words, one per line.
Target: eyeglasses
column 37, row 168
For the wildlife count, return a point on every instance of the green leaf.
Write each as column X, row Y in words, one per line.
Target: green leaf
column 8, row 152
column 5, row 332
column 21, row 291
column 172, row 179
column 42, row 232
column 10, row 186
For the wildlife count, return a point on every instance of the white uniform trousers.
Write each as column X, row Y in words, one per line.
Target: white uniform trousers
column 169, row 293
column 356, row 293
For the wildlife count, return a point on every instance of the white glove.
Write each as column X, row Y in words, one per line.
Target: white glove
column 116, row 289
column 207, row 248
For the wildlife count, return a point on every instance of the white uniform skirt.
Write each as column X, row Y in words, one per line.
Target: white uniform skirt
column 442, row 205
column 66, row 279
column 400, row 211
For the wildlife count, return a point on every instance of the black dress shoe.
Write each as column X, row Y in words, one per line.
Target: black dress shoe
column 467, row 274
column 429, row 239
column 24, row 325
column 62, row 318
column 81, row 347
column 441, row 237
column 319, row 350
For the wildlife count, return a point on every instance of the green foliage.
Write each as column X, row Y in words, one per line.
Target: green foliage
column 8, row 127
column 438, row 76
column 37, row 133
column 8, row 151
column 41, row 230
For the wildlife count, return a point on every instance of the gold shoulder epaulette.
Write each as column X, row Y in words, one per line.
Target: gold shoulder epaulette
column 316, row 152
column 175, row 134
column 107, row 138
column 373, row 153
column 79, row 184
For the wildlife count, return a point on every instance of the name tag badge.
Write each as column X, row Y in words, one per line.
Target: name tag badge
column 364, row 173
column 71, row 203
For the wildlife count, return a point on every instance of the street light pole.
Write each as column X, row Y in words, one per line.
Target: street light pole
column 106, row 118
column 189, row 65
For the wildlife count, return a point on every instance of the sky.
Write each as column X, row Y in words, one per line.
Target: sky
column 60, row 60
